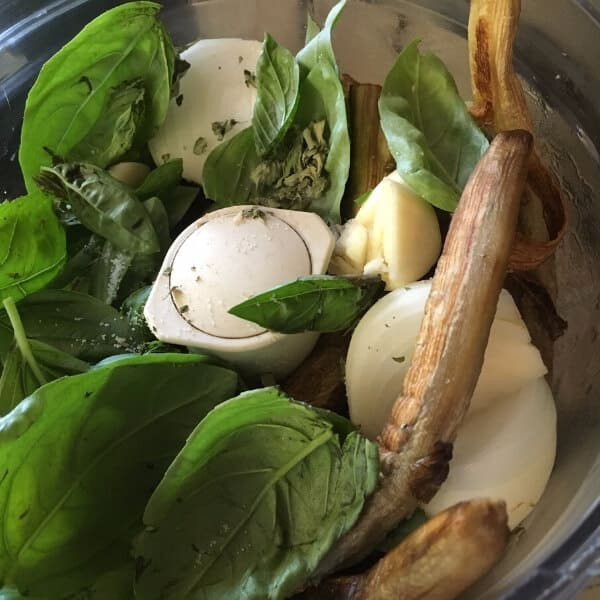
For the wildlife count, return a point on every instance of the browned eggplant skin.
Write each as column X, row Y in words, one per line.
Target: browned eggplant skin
column 415, row 445
column 319, row 380
column 438, row 561
column 499, row 105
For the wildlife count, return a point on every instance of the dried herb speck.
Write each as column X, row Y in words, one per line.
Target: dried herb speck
column 222, row 128
column 200, row 146
column 249, row 78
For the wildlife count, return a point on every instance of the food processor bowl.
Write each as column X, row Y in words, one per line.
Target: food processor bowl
column 557, row 550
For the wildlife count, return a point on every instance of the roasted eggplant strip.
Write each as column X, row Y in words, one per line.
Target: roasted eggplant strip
column 371, row 159
column 438, row 561
column 416, row 444
column 319, row 380
column 499, row 105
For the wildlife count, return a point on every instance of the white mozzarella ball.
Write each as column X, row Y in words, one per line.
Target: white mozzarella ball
column 214, row 92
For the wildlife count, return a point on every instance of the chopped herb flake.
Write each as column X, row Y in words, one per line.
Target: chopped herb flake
column 200, row 146
column 249, row 78
column 222, row 128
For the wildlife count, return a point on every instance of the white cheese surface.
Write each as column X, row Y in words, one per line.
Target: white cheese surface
column 214, row 90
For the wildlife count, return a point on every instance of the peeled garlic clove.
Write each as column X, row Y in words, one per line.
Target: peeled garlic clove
column 403, row 236
column 505, row 452
column 350, row 253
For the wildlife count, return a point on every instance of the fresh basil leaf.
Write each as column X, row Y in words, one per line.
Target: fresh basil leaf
column 295, row 179
column 108, row 271
column 178, row 202
column 318, row 47
column 144, row 268
column 235, row 174
column 115, row 131
column 133, row 307
column 228, row 169
column 9, row 593
column 71, row 93
column 277, row 84
column 161, row 180
column 261, row 490
column 18, row 380
column 98, row 444
column 55, row 362
column 113, row 585
column 160, row 221
column 76, row 270
column 102, row 204
column 432, row 137
column 363, row 198
column 323, row 303
column 76, row 323
column 323, row 99
column 32, row 246
column 312, row 30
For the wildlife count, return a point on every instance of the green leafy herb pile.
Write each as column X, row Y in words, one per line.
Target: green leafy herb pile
column 130, row 468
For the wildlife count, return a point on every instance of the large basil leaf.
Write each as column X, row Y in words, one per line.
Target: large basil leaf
column 318, row 47
column 32, row 246
column 277, row 84
column 178, row 202
column 262, row 489
column 113, row 585
column 108, row 272
column 112, row 266
column 323, row 99
column 80, row 458
column 227, row 173
column 161, row 180
column 73, row 90
column 432, row 137
column 102, row 204
column 18, row 380
column 115, row 131
column 75, row 323
column 75, row 272
column 8, row 593
column 314, row 303
column 234, row 173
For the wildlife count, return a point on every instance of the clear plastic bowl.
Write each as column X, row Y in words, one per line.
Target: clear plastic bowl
column 558, row 550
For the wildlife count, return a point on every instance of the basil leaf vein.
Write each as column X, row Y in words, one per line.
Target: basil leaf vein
column 432, row 137
column 72, row 92
column 262, row 489
column 322, row 303
column 278, row 80
column 62, row 526
column 33, row 246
